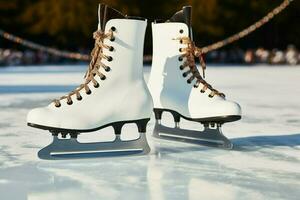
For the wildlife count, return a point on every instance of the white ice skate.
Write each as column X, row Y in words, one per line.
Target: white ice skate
column 177, row 86
column 114, row 93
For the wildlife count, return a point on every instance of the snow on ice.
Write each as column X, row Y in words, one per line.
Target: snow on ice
column 265, row 163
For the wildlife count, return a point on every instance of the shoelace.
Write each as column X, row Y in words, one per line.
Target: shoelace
column 94, row 66
column 190, row 52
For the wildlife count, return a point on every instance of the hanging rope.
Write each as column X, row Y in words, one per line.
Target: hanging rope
column 212, row 47
column 247, row 30
column 53, row 51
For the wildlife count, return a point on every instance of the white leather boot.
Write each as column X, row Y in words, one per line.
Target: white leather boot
column 114, row 93
column 177, row 86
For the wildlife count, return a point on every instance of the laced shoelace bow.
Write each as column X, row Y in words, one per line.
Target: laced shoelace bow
column 190, row 52
column 94, row 66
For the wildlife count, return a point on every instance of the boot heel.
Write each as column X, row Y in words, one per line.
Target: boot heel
column 176, row 116
column 158, row 113
column 118, row 127
column 142, row 125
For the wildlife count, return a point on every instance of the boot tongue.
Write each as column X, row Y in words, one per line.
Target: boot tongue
column 105, row 14
column 183, row 16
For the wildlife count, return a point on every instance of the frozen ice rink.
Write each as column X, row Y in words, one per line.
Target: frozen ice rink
column 265, row 163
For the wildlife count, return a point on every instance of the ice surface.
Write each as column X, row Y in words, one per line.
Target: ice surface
column 264, row 165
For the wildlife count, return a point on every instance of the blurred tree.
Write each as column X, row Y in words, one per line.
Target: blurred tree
column 205, row 16
column 69, row 24
column 68, row 21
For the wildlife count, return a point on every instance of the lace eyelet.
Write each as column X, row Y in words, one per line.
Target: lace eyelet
column 189, row 82
column 180, row 49
column 111, row 48
column 181, row 31
column 107, row 69
column 109, row 59
column 181, row 41
column 195, row 86
column 113, row 28
column 112, row 39
column 202, row 91
column 96, row 86
column 184, row 75
column 79, row 99
column 180, row 58
column 181, row 67
column 57, row 106
column 210, row 96
column 103, row 78
column 89, row 92
column 70, row 102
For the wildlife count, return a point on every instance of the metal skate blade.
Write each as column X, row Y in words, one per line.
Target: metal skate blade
column 81, row 153
column 208, row 137
column 90, row 152
column 183, row 138
column 72, row 149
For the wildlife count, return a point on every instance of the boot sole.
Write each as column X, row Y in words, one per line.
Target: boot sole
column 141, row 124
column 219, row 119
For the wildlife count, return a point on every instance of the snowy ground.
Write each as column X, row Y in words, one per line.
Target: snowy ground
column 265, row 163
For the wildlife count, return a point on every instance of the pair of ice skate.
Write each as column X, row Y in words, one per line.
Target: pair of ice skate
column 115, row 93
